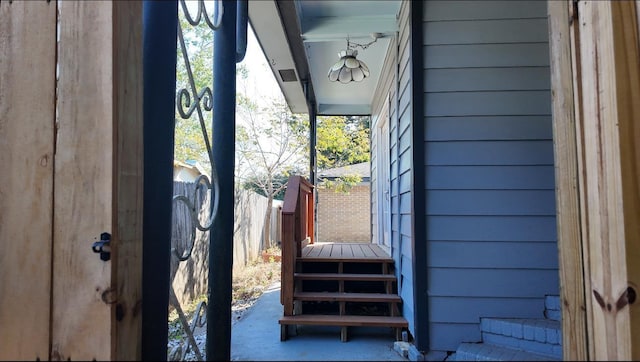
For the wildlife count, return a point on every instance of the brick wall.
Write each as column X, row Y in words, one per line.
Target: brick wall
column 344, row 217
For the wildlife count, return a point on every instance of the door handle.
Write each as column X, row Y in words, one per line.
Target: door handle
column 103, row 246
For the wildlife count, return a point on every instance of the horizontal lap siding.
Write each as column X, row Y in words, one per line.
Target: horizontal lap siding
column 491, row 282
column 492, row 228
column 486, row 79
column 473, row 254
column 489, row 153
column 439, row 307
column 487, row 55
column 490, row 205
column 393, row 88
column 490, row 177
column 446, row 10
column 490, row 202
column 494, row 103
column 472, row 128
column 402, row 163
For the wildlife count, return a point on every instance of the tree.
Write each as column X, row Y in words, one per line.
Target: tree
column 271, row 142
column 342, row 141
column 252, row 183
column 271, row 145
column 189, row 138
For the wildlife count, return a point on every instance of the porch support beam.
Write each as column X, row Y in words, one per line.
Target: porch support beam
column 160, row 22
column 313, row 160
column 359, row 28
column 218, row 346
column 418, row 194
column 572, row 282
column 313, row 126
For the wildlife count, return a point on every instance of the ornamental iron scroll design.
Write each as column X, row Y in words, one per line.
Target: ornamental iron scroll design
column 202, row 100
column 189, row 102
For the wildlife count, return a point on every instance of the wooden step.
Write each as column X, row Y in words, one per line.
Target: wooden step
column 344, row 252
column 344, row 320
column 344, row 276
column 319, row 259
column 346, row 297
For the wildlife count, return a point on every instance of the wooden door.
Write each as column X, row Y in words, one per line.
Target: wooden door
column 27, row 111
column 80, row 152
column 384, row 179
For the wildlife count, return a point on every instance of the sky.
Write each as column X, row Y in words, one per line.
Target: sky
column 261, row 82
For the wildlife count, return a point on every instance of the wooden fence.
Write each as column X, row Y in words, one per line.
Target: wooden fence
column 71, row 151
column 189, row 278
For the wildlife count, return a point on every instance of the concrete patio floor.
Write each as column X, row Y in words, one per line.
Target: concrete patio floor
column 256, row 337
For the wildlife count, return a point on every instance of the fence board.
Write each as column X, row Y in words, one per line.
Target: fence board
column 128, row 182
column 189, row 278
column 570, row 242
column 610, row 83
column 27, row 91
column 97, row 181
column 81, row 326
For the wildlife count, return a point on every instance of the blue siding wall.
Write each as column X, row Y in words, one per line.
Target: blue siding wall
column 401, row 170
column 490, row 223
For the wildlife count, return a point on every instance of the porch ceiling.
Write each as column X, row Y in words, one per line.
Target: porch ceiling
column 306, row 35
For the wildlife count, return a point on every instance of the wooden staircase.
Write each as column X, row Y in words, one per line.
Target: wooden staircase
column 352, row 290
column 332, row 284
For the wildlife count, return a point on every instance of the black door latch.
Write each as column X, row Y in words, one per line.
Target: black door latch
column 103, row 246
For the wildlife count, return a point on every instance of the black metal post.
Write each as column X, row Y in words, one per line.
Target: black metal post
column 223, row 146
column 159, row 64
column 313, row 163
column 312, row 145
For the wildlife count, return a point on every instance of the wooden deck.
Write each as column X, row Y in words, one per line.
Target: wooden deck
column 329, row 283
column 353, row 252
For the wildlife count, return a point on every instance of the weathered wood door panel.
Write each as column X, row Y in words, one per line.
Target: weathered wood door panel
column 72, row 146
column 27, row 92
column 83, row 201
column 98, row 182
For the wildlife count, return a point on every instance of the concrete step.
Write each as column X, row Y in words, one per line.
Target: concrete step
column 541, row 336
column 552, row 307
column 486, row 352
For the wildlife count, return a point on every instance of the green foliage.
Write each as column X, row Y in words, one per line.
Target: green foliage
column 189, row 138
column 341, row 184
column 271, row 144
column 342, row 141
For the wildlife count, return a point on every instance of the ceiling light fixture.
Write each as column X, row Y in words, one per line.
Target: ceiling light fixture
column 348, row 68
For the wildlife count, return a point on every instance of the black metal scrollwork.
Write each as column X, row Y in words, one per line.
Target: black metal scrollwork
column 190, row 101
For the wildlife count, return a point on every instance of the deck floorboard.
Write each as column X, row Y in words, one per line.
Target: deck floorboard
column 334, row 251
